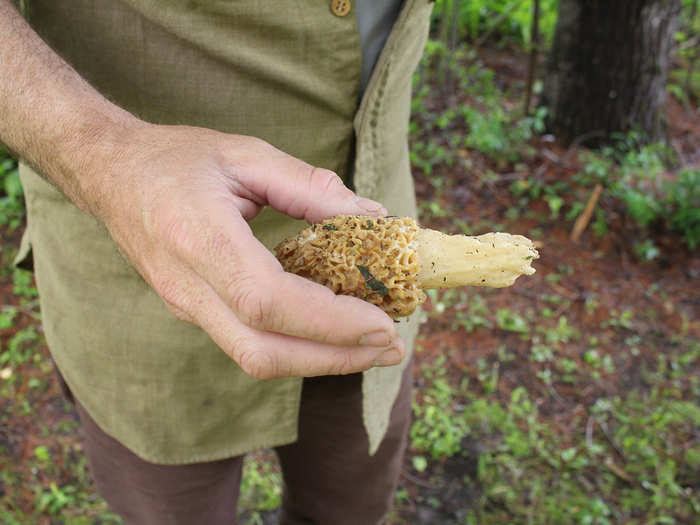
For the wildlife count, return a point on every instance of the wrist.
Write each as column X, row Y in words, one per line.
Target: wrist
column 93, row 156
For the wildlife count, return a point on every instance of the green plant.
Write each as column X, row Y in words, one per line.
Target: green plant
column 500, row 134
column 42, row 453
column 541, row 353
column 682, row 199
column 474, row 316
column 511, row 321
column 619, row 319
column 419, row 463
column 20, row 348
column 637, row 182
column 23, row 284
column 568, row 367
column 488, row 375
column 55, row 499
column 7, row 316
column 261, row 487
column 426, row 156
column 646, row 250
column 635, row 174
column 531, row 188
column 481, row 123
column 637, row 473
column 563, row 332
column 11, row 194
column 438, row 427
column 684, row 80
column 507, row 21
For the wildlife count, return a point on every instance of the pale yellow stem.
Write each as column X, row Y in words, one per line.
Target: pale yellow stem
column 492, row 259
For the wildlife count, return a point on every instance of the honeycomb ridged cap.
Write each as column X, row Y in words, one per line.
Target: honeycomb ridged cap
column 372, row 258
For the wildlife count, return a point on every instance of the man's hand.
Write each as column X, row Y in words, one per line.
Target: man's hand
column 176, row 201
column 179, row 215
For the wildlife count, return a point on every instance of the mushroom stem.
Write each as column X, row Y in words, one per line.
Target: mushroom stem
column 492, row 259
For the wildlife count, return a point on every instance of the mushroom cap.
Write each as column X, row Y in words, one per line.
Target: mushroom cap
column 372, row 258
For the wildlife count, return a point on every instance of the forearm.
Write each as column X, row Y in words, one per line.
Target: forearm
column 53, row 118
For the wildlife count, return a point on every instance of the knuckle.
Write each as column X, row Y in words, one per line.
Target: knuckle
column 189, row 235
column 256, row 363
column 326, row 180
column 162, row 216
column 346, row 364
column 218, row 245
column 180, row 314
column 172, row 294
column 175, row 298
column 258, row 145
column 242, row 150
column 174, row 230
column 252, row 306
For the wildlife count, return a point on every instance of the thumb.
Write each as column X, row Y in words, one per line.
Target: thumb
column 303, row 191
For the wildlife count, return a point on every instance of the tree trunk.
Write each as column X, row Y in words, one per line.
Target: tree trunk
column 608, row 67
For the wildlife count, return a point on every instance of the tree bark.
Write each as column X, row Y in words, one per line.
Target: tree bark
column 608, row 67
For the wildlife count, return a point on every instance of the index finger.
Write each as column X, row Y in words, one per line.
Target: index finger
column 249, row 279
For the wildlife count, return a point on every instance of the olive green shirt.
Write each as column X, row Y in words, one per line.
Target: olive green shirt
column 289, row 73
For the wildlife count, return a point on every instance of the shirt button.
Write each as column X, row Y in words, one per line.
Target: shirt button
column 340, row 7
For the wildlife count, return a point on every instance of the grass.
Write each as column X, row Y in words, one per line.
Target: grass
column 635, row 459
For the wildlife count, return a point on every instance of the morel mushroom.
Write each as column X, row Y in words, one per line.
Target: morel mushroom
column 389, row 261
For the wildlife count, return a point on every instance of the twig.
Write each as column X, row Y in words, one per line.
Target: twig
column 561, row 161
column 610, row 464
column 22, row 310
column 691, row 43
column 607, row 435
column 678, row 148
column 510, row 176
column 571, row 296
column 527, row 293
column 418, row 481
column 534, row 49
column 563, row 307
column 505, row 14
column 584, row 481
column 555, row 393
column 589, row 431
column 491, row 186
column 551, row 156
column 585, row 217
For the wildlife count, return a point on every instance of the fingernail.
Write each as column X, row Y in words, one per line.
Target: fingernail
column 379, row 338
column 370, row 205
column 389, row 358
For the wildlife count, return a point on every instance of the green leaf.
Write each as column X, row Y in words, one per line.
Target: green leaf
column 419, row 463
column 371, row 282
column 42, row 453
column 511, row 322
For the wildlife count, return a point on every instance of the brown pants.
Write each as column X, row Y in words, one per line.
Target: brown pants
column 329, row 477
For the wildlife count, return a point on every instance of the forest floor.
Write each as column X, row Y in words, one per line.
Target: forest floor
column 571, row 397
